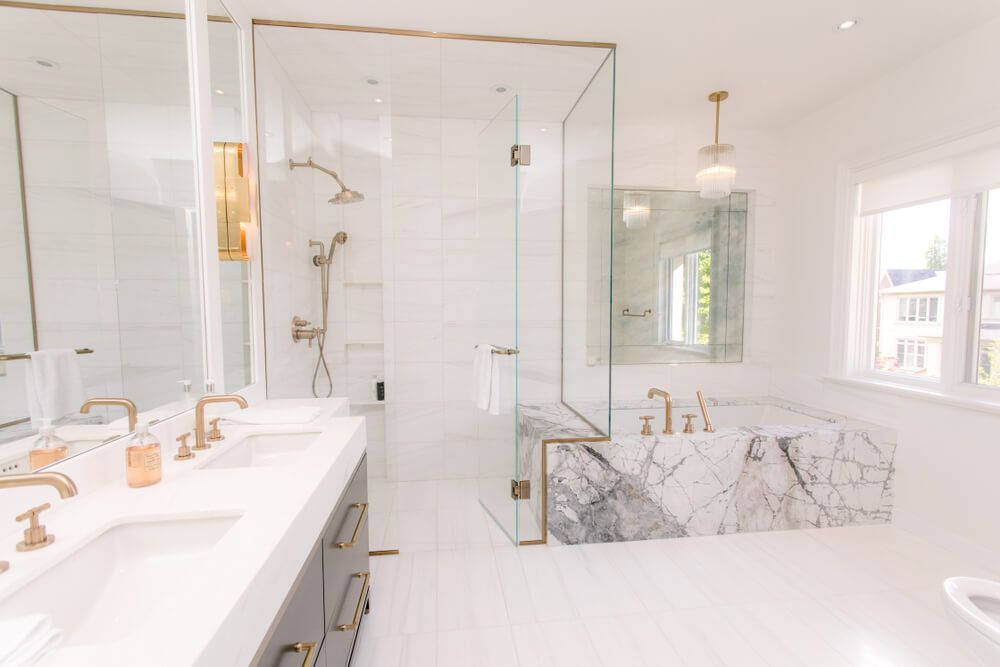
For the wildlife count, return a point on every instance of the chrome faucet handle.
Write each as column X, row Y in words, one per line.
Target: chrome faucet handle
column 184, row 452
column 689, row 426
column 35, row 536
column 215, row 434
column 646, row 428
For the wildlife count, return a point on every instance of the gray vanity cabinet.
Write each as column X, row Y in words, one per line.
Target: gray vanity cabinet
column 327, row 604
column 299, row 625
column 346, row 574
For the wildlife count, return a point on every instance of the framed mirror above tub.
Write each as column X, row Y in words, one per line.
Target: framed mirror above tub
column 111, row 282
column 679, row 276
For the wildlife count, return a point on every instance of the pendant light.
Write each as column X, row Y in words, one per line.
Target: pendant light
column 716, row 168
column 635, row 210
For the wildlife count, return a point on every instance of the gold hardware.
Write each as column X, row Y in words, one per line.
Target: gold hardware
column 215, row 433
column 184, row 452
column 133, row 411
column 717, row 98
column 668, row 427
column 646, row 428
column 304, row 647
column 689, row 426
column 300, row 332
column 357, row 528
column 384, row 552
column 35, row 536
column 627, row 313
column 26, row 355
column 709, row 428
column 60, row 482
column 200, row 440
column 366, row 576
column 520, row 155
column 232, row 200
column 79, row 9
column 520, row 489
column 436, row 35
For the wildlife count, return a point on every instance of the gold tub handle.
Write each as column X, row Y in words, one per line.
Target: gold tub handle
column 357, row 529
column 305, row 647
column 360, row 610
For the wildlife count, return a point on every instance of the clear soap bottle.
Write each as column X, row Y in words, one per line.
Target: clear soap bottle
column 48, row 449
column 143, row 465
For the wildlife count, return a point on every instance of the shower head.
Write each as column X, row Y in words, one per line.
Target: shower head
column 345, row 196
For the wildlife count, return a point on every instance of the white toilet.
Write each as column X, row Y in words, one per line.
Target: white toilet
column 974, row 606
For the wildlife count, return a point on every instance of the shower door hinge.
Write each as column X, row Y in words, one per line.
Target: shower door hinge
column 520, row 154
column 520, row 489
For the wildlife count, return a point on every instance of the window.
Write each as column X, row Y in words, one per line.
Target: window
column 687, row 297
column 911, row 354
column 918, row 309
column 924, row 290
column 912, row 253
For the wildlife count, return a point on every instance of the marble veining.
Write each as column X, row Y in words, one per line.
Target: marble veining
column 837, row 472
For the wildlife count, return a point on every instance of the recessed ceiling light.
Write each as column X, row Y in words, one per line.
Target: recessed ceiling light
column 847, row 25
column 372, row 81
column 44, row 62
column 501, row 88
column 220, row 91
column 545, row 129
column 378, row 100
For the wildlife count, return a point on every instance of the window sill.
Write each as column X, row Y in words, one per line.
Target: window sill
column 919, row 393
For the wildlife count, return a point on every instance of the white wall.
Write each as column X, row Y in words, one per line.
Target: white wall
column 948, row 457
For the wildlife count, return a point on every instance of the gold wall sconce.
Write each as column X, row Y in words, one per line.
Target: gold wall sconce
column 232, row 200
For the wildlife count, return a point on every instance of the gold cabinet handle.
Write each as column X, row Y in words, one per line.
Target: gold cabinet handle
column 360, row 610
column 305, row 647
column 357, row 529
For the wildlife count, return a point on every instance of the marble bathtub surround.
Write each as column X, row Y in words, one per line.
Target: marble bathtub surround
column 832, row 471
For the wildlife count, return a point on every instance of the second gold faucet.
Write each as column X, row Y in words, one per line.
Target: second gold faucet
column 200, row 441
column 668, row 426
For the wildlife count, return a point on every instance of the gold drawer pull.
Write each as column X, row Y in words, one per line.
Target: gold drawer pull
column 353, row 625
column 357, row 529
column 305, row 647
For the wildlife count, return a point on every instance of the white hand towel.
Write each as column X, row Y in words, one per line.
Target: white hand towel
column 482, row 370
column 25, row 640
column 297, row 415
column 502, row 384
column 54, row 384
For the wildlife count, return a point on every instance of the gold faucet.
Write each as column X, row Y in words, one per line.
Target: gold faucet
column 133, row 411
column 200, row 442
column 35, row 536
column 668, row 426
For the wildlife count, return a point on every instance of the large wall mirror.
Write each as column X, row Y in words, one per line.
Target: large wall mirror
column 101, row 246
column 679, row 274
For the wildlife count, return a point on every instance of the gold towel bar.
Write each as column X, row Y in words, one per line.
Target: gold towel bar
column 26, row 355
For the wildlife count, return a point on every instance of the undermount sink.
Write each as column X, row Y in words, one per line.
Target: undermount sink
column 264, row 449
column 102, row 592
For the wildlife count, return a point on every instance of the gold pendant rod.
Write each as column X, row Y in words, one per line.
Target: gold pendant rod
column 717, row 97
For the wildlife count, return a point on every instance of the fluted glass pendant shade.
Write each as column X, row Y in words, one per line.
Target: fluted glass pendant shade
column 716, row 171
column 635, row 210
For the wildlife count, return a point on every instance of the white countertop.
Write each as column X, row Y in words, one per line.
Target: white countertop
column 222, row 611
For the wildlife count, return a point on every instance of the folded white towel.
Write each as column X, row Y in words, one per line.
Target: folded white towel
column 494, row 379
column 54, row 384
column 298, row 415
column 25, row 640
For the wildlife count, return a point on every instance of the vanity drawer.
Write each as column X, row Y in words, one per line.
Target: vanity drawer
column 300, row 622
column 346, row 573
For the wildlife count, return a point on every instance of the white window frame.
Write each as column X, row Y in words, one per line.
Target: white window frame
column 856, row 276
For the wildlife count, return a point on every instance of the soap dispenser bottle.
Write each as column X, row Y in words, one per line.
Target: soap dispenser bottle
column 143, row 466
column 48, row 449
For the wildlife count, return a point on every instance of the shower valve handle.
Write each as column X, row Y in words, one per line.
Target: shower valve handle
column 300, row 332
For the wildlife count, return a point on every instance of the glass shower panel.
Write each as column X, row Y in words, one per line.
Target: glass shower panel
column 495, row 253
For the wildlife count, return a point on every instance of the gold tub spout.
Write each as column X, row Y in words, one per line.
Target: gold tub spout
column 668, row 426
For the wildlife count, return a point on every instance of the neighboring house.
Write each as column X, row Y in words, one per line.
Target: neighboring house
column 911, row 313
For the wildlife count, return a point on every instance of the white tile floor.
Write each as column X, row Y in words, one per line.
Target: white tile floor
column 460, row 594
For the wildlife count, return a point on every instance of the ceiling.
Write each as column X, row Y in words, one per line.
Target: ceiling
column 365, row 75
column 779, row 58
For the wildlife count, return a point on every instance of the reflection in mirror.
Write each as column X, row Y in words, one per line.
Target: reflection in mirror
column 227, row 120
column 679, row 265
column 107, row 247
